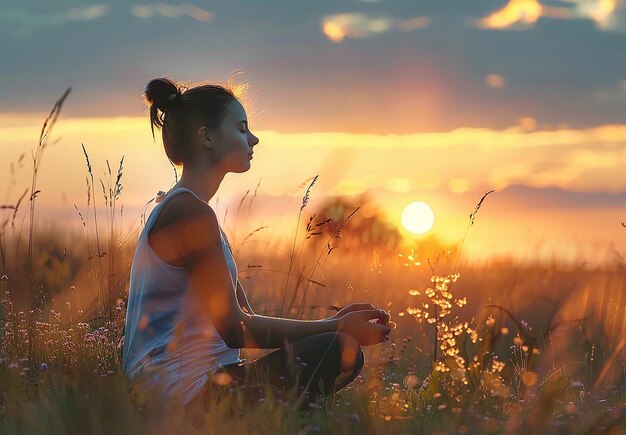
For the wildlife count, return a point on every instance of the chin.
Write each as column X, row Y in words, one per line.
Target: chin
column 243, row 169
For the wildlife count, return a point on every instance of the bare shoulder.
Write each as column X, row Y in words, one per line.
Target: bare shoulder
column 184, row 224
column 183, row 207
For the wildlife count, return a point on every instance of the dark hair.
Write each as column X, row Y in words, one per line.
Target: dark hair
column 180, row 111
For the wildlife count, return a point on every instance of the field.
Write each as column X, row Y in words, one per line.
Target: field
column 497, row 347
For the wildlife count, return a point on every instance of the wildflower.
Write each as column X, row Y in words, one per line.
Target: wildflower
column 43, row 367
column 4, row 278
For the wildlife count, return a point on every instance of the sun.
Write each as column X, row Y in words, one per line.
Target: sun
column 418, row 217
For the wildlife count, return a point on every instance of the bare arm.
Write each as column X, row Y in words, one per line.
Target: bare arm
column 198, row 242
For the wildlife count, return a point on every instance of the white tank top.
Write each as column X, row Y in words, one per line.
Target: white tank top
column 170, row 345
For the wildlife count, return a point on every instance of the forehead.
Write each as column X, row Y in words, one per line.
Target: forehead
column 235, row 111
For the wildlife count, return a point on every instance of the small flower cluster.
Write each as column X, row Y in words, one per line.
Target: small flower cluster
column 57, row 345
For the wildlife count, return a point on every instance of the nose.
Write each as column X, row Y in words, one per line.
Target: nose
column 253, row 140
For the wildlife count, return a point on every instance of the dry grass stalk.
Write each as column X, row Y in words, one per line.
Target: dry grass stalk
column 336, row 235
column 98, row 254
column 37, row 156
column 305, row 201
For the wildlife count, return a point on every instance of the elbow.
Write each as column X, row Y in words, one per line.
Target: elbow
column 234, row 337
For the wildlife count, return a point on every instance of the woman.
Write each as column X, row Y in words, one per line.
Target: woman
column 187, row 314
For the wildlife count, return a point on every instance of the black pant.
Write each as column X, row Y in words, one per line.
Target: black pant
column 313, row 366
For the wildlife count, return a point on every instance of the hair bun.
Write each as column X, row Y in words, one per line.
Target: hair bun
column 161, row 93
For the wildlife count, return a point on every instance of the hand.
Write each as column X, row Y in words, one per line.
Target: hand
column 358, row 325
column 360, row 307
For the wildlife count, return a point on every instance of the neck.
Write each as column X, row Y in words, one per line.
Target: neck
column 202, row 183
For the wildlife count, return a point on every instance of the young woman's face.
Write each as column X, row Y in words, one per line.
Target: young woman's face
column 234, row 140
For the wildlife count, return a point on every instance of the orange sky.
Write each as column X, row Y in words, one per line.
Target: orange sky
column 448, row 170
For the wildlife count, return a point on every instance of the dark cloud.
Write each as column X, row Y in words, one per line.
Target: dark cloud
column 560, row 71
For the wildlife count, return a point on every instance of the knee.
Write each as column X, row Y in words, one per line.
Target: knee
column 351, row 355
column 337, row 346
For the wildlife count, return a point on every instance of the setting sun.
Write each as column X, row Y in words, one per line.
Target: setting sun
column 418, row 217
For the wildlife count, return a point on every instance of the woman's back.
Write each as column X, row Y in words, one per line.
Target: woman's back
column 169, row 343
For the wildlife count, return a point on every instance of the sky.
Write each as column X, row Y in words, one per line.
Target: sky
column 437, row 100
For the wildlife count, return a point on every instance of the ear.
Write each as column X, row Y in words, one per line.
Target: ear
column 204, row 136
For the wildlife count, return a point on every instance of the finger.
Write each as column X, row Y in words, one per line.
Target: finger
column 361, row 306
column 383, row 332
column 373, row 314
column 385, row 319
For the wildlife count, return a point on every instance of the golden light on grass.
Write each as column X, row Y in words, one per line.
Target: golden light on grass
column 529, row 378
column 222, row 379
column 418, row 217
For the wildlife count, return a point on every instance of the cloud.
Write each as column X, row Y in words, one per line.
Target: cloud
column 87, row 13
column 516, row 14
column 460, row 160
column 358, row 26
column 609, row 15
column 173, row 11
column 22, row 23
column 574, row 168
column 495, row 81
column 516, row 137
column 604, row 12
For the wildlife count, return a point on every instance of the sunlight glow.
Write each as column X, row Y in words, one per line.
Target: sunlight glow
column 418, row 217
